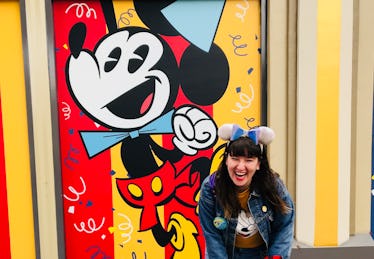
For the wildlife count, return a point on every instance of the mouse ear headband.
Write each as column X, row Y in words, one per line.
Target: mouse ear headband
column 259, row 135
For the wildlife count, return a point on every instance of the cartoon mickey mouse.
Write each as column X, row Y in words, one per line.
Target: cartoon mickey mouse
column 129, row 83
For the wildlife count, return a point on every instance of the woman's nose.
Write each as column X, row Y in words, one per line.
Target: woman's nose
column 241, row 164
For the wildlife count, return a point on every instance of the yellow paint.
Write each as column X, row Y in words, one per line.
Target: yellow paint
column 184, row 242
column 238, row 35
column 156, row 185
column 327, row 131
column 235, row 106
column 16, row 143
column 135, row 190
column 126, row 220
column 126, row 15
column 216, row 160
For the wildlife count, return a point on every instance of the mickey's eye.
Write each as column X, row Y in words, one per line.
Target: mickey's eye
column 137, row 60
column 113, row 57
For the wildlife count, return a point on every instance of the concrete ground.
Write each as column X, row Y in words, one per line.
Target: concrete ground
column 357, row 247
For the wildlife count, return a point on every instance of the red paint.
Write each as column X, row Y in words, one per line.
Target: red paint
column 95, row 204
column 4, row 217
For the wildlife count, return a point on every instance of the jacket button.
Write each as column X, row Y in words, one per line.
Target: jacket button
column 264, row 208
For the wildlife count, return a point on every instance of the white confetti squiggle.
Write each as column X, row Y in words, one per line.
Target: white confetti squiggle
column 91, row 224
column 244, row 99
column 74, row 191
column 80, row 9
column 244, row 10
column 66, row 110
column 126, row 227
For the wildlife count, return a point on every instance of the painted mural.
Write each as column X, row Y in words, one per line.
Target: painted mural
column 4, row 219
column 141, row 88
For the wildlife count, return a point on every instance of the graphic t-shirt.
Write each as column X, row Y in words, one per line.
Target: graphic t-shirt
column 247, row 235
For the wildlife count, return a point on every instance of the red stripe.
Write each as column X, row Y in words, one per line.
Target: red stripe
column 4, row 217
column 178, row 45
column 86, row 219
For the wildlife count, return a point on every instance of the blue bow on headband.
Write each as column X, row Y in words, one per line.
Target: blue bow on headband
column 96, row 142
column 238, row 132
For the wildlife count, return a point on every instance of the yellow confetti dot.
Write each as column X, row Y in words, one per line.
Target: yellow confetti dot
column 111, row 230
column 372, row 178
column 264, row 208
column 65, row 46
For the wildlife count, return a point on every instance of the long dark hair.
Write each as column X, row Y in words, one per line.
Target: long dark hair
column 263, row 181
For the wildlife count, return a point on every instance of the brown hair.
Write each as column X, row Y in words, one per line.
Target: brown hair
column 264, row 180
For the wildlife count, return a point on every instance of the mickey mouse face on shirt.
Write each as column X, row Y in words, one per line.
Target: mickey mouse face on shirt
column 246, row 225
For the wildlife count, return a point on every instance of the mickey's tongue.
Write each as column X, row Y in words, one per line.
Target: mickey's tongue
column 146, row 104
column 134, row 103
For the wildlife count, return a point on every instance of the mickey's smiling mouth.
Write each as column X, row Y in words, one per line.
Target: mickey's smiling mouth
column 134, row 103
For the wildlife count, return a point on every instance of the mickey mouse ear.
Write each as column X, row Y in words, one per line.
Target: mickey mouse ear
column 225, row 131
column 266, row 135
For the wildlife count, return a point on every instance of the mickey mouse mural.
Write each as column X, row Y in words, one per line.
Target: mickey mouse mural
column 157, row 79
column 129, row 83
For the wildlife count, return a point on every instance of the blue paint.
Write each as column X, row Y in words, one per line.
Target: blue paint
column 198, row 24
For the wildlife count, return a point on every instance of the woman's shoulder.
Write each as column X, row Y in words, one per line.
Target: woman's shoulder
column 209, row 181
column 280, row 185
column 207, row 186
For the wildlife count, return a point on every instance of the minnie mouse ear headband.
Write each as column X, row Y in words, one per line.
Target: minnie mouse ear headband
column 260, row 135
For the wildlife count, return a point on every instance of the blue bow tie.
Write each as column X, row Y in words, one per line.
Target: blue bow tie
column 96, row 142
column 238, row 132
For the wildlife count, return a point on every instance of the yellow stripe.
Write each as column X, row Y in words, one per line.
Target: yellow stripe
column 126, row 221
column 128, row 242
column 241, row 103
column 17, row 160
column 328, row 64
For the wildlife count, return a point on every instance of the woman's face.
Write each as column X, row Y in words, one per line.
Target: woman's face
column 241, row 169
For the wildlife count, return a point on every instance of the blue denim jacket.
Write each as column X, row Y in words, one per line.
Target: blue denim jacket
column 275, row 228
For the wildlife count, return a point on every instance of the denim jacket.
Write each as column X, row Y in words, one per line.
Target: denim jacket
column 275, row 228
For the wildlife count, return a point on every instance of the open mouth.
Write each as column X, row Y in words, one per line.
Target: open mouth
column 134, row 103
column 240, row 175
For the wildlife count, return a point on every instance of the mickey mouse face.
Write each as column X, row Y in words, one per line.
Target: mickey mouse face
column 127, row 81
column 246, row 225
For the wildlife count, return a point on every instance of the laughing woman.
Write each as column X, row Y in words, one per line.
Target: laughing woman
column 245, row 210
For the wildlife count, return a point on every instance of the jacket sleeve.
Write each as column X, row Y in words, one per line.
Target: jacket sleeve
column 281, row 239
column 214, row 243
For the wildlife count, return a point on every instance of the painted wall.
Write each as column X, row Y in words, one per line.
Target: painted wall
column 281, row 50
column 334, row 106
column 141, row 90
column 16, row 204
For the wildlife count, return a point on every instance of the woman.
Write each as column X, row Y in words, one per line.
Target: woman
column 245, row 209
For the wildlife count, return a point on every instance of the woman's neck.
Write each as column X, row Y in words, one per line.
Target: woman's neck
column 240, row 189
